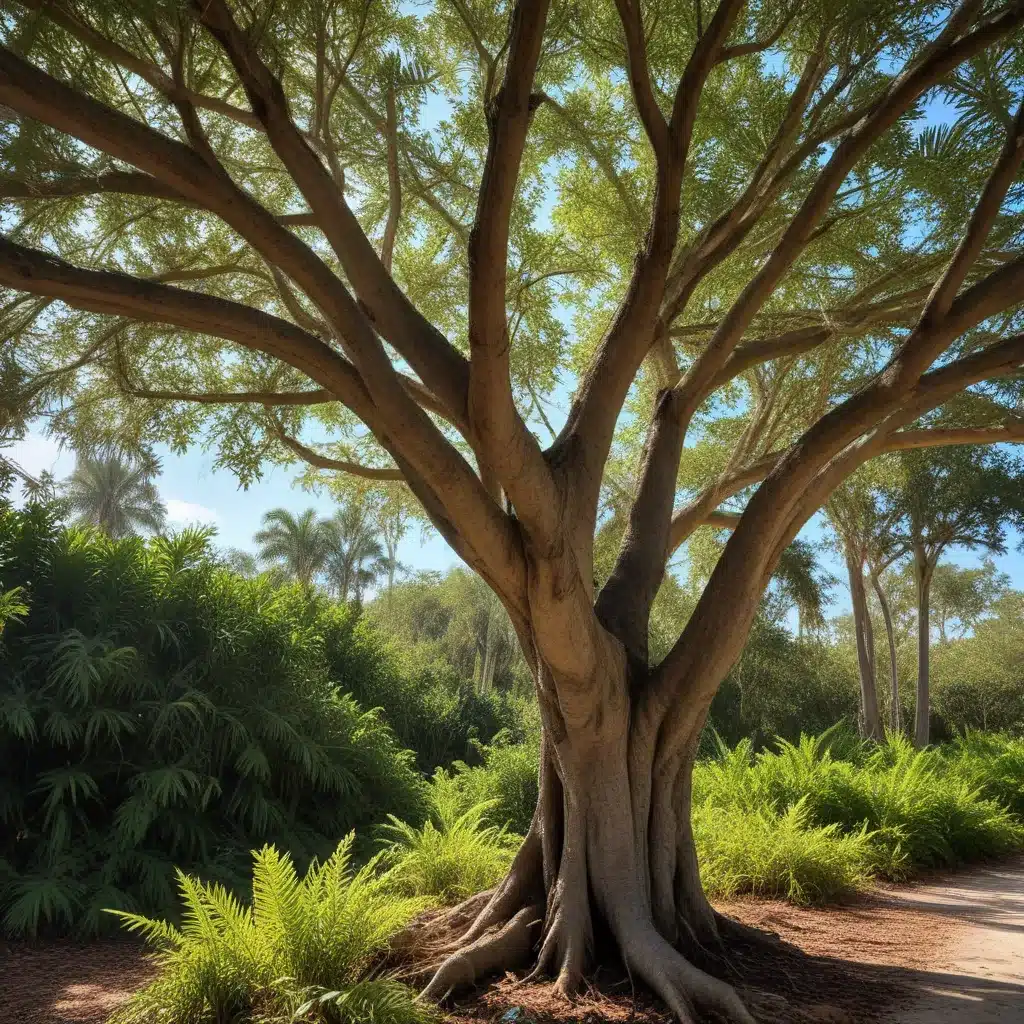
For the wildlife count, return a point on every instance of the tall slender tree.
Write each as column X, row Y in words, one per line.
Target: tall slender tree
column 115, row 494
column 957, row 497
column 259, row 232
column 865, row 529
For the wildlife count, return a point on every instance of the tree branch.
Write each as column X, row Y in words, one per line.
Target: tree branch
column 387, row 245
column 938, row 61
column 502, row 440
column 319, row 461
column 149, row 73
column 442, row 368
column 590, row 426
column 916, row 356
column 624, row 603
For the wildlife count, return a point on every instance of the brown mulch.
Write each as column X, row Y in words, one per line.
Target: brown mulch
column 66, row 982
column 837, row 965
column 834, row 965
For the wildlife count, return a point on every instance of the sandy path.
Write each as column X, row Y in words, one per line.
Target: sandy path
column 979, row 978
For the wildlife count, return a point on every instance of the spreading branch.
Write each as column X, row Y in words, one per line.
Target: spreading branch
column 503, row 443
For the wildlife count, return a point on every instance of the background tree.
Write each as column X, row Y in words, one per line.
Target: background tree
column 296, row 547
column 960, row 496
column 864, row 530
column 115, row 494
column 961, row 596
column 355, row 556
column 201, row 186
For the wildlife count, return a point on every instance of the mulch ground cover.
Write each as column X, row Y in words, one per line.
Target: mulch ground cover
column 837, row 965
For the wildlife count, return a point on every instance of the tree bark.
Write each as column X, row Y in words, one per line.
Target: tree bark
column 922, row 715
column 872, row 724
column 895, row 718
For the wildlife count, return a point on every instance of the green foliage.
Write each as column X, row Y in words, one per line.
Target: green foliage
column 433, row 710
column 507, row 779
column 157, row 709
column 772, row 853
column 301, row 950
column 913, row 809
column 454, row 854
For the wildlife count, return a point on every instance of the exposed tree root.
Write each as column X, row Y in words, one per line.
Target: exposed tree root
column 680, row 984
column 505, row 949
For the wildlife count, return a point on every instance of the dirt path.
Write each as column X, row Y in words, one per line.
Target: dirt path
column 980, row 977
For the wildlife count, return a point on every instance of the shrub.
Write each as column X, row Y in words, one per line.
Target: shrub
column 771, row 854
column 454, row 854
column 156, row 709
column 302, row 949
column 915, row 809
column 507, row 781
column 432, row 711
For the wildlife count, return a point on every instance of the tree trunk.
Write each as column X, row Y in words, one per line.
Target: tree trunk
column 865, row 650
column 895, row 722
column 610, row 848
column 922, row 714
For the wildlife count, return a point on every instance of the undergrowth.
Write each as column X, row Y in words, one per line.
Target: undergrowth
column 302, row 949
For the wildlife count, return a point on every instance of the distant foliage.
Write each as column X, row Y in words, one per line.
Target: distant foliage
column 300, row 950
column 433, row 710
column 157, row 709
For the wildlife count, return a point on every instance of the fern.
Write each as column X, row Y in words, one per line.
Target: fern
column 302, row 949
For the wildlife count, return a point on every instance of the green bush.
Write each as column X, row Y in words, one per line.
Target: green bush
column 454, row 854
column 767, row 853
column 301, row 949
column 920, row 809
column 157, row 710
column 432, row 711
column 507, row 781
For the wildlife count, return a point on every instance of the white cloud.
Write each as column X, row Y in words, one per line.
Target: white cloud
column 189, row 513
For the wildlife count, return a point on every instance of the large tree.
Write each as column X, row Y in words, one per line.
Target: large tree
column 347, row 234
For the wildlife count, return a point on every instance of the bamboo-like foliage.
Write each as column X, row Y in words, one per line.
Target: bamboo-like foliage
column 155, row 710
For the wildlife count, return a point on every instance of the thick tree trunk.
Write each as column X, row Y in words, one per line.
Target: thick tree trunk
column 922, row 713
column 895, row 718
column 872, row 719
column 610, row 848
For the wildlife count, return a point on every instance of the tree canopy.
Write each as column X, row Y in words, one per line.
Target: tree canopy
column 751, row 246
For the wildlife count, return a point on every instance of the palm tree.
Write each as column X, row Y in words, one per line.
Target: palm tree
column 356, row 557
column 115, row 494
column 297, row 546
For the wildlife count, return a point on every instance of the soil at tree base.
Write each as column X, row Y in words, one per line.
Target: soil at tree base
column 865, row 962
